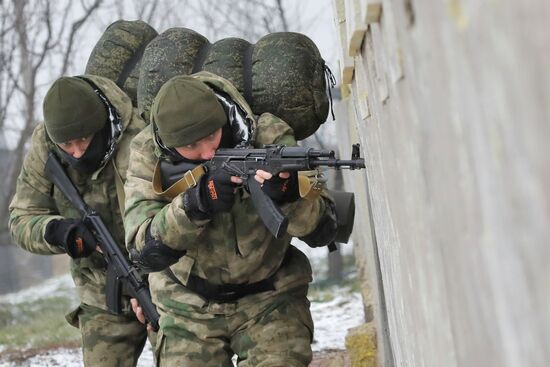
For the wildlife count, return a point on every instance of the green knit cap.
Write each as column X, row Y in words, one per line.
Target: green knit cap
column 186, row 110
column 72, row 110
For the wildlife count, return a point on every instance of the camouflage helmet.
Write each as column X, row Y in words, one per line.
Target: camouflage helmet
column 73, row 110
column 186, row 110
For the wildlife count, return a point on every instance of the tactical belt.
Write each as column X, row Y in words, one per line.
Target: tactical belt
column 226, row 292
column 222, row 292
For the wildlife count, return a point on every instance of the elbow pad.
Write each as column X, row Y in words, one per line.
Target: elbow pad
column 155, row 255
column 325, row 232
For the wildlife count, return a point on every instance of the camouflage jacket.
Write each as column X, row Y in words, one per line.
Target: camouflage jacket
column 37, row 201
column 231, row 248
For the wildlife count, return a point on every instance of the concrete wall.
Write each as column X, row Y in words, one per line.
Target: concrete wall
column 451, row 103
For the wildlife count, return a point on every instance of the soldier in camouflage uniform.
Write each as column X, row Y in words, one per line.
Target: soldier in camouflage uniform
column 222, row 282
column 89, row 123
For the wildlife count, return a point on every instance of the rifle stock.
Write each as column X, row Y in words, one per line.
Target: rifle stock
column 118, row 266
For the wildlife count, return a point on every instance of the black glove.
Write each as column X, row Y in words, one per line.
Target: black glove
column 214, row 193
column 72, row 235
column 282, row 190
column 155, row 255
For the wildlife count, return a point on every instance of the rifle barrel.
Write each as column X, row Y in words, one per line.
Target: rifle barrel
column 339, row 163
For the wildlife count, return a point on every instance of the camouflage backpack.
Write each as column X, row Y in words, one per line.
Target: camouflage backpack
column 283, row 73
column 117, row 54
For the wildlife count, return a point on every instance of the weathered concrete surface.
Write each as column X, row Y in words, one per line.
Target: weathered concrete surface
column 451, row 102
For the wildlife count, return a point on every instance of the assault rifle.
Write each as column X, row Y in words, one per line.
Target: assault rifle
column 243, row 162
column 119, row 271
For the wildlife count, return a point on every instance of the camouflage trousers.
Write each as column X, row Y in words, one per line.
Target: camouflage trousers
column 107, row 339
column 264, row 330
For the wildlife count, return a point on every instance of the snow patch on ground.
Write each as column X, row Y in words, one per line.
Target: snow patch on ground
column 54, row 358
column 58, row 286
column 333, row 319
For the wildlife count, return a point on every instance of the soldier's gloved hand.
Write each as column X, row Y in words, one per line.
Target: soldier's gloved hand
column 72, row 235
column 214, row 193
column 282, row 190
column 155, row 256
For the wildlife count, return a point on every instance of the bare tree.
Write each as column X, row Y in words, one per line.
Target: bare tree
column 249, row 19
column 158, row 14
column 7, row 50
column 41, row 31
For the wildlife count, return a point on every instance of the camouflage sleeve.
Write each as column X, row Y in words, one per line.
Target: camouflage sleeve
column 272, row 130
column 303, row 215
column 143, row 208
column 32, row 207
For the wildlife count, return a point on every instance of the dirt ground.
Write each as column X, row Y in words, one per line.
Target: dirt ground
column 330, row 358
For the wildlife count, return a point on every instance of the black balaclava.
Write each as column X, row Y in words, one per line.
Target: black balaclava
column 92, row 159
